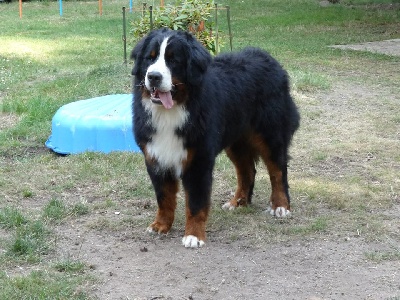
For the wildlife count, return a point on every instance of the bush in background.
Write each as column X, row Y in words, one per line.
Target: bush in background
column 189, row 15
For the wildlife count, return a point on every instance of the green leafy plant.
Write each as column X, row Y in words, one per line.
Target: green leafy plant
column 190, row 15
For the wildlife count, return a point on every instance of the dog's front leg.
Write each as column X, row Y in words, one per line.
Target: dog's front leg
column 197, row 181
column 166, row 187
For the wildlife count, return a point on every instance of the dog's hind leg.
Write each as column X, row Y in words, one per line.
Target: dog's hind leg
column 276, row 161
column 280, row 200
column 243, row 156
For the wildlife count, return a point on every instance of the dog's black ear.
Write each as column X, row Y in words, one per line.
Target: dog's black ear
column 137, row 56
column 198, row 60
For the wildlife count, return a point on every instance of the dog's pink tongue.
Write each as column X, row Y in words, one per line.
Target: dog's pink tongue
column 166, row 99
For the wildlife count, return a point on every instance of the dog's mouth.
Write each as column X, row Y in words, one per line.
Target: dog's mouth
column 161, row 98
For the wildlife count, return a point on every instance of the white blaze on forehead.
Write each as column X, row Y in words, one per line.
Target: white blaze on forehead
column 160, row 66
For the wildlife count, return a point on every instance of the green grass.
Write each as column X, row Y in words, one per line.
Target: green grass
column 41, row 285
column 11, row 218
column 307, row 81
column 391, row 253
column 70, row 266
column 345, row 155
column 80, row 209
column 30, row 238
column 30, row 241
column 55, row 210
column 383, row 256
column 35, row 56
column 41, row 69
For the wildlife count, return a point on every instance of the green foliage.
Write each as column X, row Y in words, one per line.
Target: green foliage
column 190, row 15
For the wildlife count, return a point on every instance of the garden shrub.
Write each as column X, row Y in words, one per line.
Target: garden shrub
column 194, row 16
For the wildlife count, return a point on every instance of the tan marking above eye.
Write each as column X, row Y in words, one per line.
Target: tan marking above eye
column 153, row 54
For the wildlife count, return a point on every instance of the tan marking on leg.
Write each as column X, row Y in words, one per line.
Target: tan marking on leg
column 278, row 195
column 245, row 172
column 196, row 224
column 166, row 209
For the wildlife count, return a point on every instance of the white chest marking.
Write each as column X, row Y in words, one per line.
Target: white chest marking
column 166, row 146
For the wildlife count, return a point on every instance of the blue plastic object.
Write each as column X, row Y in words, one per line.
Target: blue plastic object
column 102, row 124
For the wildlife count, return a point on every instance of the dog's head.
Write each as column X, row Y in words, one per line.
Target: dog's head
column 167, row 65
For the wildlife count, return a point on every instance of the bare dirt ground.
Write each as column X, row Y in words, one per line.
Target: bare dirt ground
column 388, row 47
column 131, row 264
column 160, row 268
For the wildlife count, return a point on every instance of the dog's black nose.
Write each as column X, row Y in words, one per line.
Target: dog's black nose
column 154, row 78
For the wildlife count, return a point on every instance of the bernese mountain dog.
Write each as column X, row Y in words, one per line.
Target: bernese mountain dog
column 189, row 106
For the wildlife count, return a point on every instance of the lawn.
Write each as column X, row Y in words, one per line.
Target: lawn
column 344, row 174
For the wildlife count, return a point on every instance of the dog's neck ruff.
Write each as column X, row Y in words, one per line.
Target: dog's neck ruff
column 166, row 147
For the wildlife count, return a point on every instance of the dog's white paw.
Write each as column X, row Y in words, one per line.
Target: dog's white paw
column 228, row 206
column 279, row 212
column 150, row 230
column 190, row 241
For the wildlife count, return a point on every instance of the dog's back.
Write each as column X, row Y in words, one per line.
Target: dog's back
column 248, row 91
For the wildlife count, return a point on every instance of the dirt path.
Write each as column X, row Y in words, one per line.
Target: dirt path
column 132, row 267
column 388, row 47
